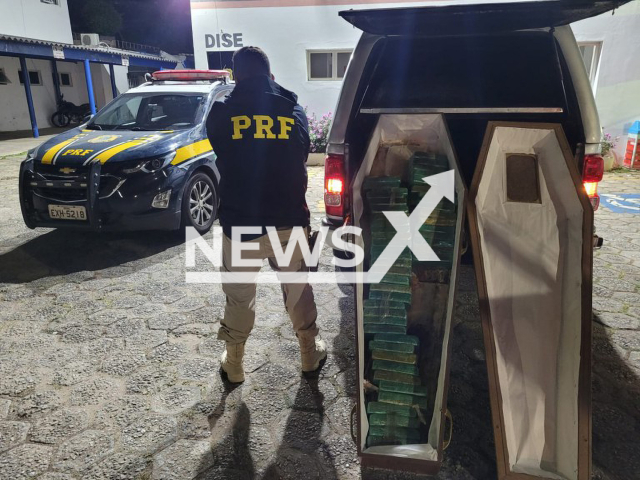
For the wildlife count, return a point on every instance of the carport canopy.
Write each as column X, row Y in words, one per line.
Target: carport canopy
column 24, row 48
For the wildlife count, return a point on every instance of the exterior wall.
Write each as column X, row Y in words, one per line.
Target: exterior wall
column 286, row 30
column 34, row 19
column 285, row 34
column 122, row 82
column 13, row 102
column 617, row 89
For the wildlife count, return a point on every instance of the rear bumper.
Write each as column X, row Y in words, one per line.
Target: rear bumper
column 127, row 207
column 333, row 224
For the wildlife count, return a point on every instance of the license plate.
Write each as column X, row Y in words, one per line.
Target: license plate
column 66, row 212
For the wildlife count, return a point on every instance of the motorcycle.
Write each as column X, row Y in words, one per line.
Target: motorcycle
column 68, row 112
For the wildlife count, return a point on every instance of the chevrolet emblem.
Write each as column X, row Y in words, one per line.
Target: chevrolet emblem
column 67, row 170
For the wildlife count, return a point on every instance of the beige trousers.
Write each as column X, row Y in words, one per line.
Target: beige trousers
column 240, row 310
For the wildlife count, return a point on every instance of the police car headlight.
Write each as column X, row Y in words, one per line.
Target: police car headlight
column 151, row 166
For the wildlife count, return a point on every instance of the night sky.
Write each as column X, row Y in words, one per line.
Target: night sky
column 161, row 23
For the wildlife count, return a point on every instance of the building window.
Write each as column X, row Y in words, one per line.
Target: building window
column 65, row 80
column 51, row 2
column 34, row 77
column 4, row 80
column 327, row 64
column 591, row 57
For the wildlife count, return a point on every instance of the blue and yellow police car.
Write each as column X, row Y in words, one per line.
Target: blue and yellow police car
column 143, row 162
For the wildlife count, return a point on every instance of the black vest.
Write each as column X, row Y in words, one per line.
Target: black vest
column 260, row 136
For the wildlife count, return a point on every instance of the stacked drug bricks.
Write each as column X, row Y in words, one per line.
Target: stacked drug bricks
column 393, row 418
column 439, row 230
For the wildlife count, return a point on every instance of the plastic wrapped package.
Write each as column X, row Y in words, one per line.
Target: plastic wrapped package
column 382, row 419
column 391, row 356
column 402, row 399
column 396, row 377
column 391, row 346
column 399, row 387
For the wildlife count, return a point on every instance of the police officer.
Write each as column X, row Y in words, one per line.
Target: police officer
column 260, row 136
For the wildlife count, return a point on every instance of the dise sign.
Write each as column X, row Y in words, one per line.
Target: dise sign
column 224, row 40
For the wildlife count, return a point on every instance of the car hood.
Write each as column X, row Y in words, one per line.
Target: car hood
column 78, row 147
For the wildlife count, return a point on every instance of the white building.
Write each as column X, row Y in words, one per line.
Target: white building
column 37, row 34
column 309, row 46
column 611, row 47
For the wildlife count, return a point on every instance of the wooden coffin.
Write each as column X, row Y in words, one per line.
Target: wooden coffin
column 406, row 147
column 531, row 227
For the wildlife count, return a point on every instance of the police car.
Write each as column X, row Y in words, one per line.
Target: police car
column 143, row 162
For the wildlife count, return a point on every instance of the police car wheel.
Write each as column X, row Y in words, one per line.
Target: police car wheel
column 200, row 203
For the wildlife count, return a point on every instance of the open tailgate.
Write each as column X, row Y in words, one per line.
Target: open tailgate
column 475, row 19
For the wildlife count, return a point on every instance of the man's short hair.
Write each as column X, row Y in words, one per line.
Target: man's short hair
column 250, row 62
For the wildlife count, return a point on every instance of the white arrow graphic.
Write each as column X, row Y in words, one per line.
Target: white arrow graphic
column 407, row 228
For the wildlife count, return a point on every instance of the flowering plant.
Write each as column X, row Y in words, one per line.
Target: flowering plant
column 608, row 143
column 319, row 131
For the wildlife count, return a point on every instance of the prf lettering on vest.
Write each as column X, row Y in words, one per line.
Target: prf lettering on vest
column 262, row 127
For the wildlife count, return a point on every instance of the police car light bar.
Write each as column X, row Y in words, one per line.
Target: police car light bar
column 189, row 75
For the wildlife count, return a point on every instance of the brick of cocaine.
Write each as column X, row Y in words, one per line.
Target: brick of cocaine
column 391, row 347
column 384, row 311
column 399, row 387
column 390, row 207
column 409, row 358
column 393, row 296
column 403, row 434
column 395, row 367
column 393, row 419
column 391, row 195
column 441, row 242
column 371, row 183
column 374, row 328
column 401, row 399
column 384, row 190
column 439, row 230
column 385, row 320
column 376, row 441
column 388, row 408
column 381, row 241
column 391, row 338
column 380, row 375
column 397, row 279
column 380, row 304
column 404, row 262
column 442, row 221
column 390, row 287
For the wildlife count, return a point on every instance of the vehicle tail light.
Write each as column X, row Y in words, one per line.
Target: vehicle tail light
column 334, row 185
column 591, row 188
column 592, row 173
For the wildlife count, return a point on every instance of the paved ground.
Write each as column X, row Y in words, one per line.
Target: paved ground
column 14, row 143
column 109, row 365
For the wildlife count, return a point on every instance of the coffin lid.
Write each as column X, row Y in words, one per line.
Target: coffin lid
column 477, row 18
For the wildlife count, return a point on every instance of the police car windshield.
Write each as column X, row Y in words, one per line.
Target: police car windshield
column 152, row 111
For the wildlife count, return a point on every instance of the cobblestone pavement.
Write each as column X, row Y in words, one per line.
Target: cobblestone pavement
column 109, row 365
